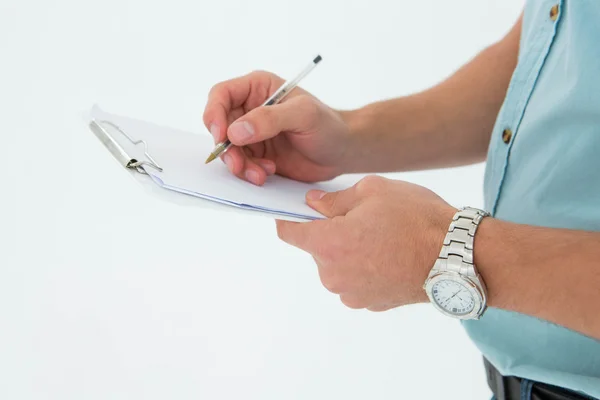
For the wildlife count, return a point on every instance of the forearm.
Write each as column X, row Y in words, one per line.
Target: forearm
column 552, row 274
column 447, row 125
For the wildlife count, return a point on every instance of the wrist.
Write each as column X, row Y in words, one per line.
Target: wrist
column 360, row 131
column 495, row 256
column 393, row 135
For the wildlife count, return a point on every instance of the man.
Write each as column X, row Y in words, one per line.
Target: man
column 531, row 104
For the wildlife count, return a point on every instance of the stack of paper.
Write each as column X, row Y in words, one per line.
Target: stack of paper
column 182, row 154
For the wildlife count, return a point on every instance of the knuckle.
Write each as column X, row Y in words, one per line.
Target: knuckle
column 332, row 200
column 329, row 280
column 259, row 74
column 369, row 184
column 206, row 117
column 264, row 121
column 310, row 108
column 263, row 75
column 217, row 89
column 266, row 118
column 331, row 286
column 352, row 302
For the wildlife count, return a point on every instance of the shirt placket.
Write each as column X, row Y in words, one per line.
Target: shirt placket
column 520, row 90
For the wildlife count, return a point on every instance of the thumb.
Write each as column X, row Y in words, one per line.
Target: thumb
column 333, row 204
column 297, row 114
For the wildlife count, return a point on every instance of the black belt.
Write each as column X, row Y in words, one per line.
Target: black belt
column 512, row 388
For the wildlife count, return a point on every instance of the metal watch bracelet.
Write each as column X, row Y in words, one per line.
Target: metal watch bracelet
column 455, row 267
column 457, row 252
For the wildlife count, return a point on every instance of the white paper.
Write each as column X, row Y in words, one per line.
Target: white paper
column 182, row 154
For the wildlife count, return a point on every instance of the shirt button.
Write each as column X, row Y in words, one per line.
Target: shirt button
column 554, row 12
column 506, row 135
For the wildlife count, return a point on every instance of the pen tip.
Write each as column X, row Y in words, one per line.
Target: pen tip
column 210, row 158
column 317, row 59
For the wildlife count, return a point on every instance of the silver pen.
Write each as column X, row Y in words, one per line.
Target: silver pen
column 275, row 98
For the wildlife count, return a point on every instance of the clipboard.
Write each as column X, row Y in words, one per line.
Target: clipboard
column 172, row 160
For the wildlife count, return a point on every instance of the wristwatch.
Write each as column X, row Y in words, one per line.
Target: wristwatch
column 454, row 286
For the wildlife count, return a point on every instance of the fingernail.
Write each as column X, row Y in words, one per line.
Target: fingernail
column 268, row 167
column 229, row 162
column 252, row 176
column 241, row 131
column 214, row 130
column 315, row 195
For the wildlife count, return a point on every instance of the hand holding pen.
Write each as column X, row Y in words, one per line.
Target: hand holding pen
column 275, row 98
column 258, row 135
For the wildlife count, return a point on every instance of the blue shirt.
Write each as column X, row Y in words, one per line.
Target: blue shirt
column 543, row 168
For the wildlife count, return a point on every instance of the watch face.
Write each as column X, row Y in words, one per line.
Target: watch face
column 452, row 296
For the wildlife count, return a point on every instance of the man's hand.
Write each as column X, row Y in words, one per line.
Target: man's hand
column 301, row 138
column 382, row 238
column 379, row 243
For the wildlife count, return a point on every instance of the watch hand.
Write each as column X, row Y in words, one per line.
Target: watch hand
column 448, row 301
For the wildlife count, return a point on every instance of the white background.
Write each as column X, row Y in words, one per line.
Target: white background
column 109, row 293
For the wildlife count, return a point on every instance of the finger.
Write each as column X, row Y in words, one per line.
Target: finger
column 219, row 131
column 234, row 114
column 266, row 164
column 330, row 279
column 254, row 173
column 298, row 114
column 243, row 167
column 333, row 204
column 235, row 160
column 256, row 149
column 293, row 233
column 380, row 308
column 353, row 301
column 251, row 89
column 303, row 235
column 363, row 288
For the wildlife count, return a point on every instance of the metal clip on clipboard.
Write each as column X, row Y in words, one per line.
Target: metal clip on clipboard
column 117, row 150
